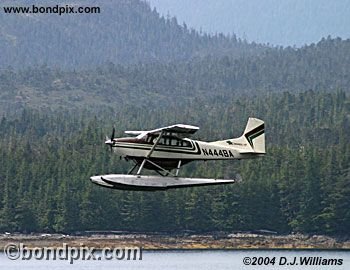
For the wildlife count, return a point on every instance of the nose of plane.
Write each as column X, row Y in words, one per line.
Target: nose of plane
column 109, row 142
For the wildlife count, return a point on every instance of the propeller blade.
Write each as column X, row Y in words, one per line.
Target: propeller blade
column 113, row 132
column 110, row 141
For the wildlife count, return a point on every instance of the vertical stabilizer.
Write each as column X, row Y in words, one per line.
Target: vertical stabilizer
column 252, row 140
column 254, row 133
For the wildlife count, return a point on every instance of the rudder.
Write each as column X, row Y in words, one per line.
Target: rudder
column 254, row 133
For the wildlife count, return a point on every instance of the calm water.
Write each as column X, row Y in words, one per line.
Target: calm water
column 183, row 260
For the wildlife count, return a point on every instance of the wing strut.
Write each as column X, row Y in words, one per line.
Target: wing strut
column 146, row 159
column 178, row 168
column 150, row 153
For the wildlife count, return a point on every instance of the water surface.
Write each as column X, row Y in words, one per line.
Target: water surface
column 185, row 260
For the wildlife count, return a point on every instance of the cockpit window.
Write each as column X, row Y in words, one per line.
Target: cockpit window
column 169, row 141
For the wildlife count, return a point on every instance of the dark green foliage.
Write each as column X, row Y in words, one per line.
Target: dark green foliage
column 54, row 123
column 301, row 185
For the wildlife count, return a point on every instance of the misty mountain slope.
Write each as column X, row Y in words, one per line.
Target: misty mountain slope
column 287, row 22
column 321, row 67
column 125, row 32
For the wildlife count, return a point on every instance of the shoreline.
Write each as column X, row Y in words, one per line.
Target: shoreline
column 237, row 241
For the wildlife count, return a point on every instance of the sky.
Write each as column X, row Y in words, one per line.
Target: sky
column 277, row 22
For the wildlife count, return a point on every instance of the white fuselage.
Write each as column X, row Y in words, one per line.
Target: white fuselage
column 189, row 150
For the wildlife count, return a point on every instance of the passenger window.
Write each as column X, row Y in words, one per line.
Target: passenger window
column 150, row 139
column 155, row 140
column 186, row 143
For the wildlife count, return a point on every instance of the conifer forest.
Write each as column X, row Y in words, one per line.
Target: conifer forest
column 57, row 105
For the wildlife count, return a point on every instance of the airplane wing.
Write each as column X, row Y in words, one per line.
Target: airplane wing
column 134, row 132
column 180, row 129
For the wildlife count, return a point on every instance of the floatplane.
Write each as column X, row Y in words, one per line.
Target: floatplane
column 165, row 150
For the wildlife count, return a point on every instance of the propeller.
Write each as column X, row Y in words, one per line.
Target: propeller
column 111, row 140
column 113, row 132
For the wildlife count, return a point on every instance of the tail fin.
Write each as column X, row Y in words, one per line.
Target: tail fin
column 253, row 138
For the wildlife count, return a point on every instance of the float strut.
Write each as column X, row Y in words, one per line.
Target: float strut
column 178, row 168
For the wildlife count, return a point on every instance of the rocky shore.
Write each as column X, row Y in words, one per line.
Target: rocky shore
column 183, row 241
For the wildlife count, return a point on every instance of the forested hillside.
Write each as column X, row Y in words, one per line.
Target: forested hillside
column 322, row 67
column 301, row 185
column 66, row 80
column 124, row 32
